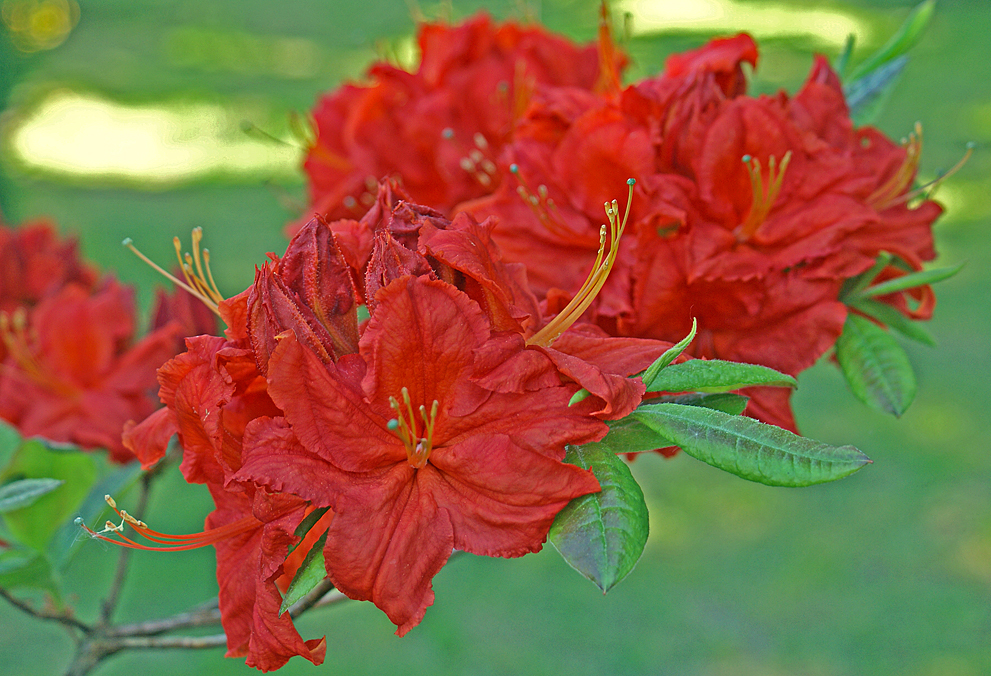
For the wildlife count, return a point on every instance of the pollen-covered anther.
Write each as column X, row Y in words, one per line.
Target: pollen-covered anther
column 543, row 207
column 764, row 194
column 475, row 161
column 596, row 279
column 195, row 269
column 404, row 426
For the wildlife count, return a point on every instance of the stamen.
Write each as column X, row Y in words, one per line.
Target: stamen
column 198, row 284
column 890, row 191
column 404, row 426
column 596, row 279
column 18, row 338
column 928, row 190
column 474, row 161
column 546, row 211
column 171, row 542
column 763, row 197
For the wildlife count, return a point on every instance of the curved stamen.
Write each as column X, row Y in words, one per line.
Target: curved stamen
column 172, row 542
column 885, row 194
column 763, row 196
column 195, row 269
column 596, row 279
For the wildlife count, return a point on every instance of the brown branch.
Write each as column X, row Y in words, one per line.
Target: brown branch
column 61, row 618
column 201, row 616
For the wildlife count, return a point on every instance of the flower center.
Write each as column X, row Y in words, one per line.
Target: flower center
column 404, row 426
column 18, row 339
column 764, row 195
column 596, row 279
column 195, row 268
column 543, row 207
column 474, row 161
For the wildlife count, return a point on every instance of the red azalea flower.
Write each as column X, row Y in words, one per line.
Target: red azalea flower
column 210, row 393
column 450, row 117
column 34, row 263
column 750, row 212
column 71, row 372
column 415, row 458
column 441, row 420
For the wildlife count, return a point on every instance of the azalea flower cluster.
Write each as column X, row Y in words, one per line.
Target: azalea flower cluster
column 71, row 370
column 438, row 424
column 405, row 380
column 750, row 213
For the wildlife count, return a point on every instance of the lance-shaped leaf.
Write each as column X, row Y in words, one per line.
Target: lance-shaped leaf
column 734, row 404
column 898, row 44
column 650, row 375
column 875, row 366
column 311, row 573
column 35, row 525
column 911, row 281
column 602, row 535
column 26, row 569
column 867, row 95
column 23, row 493
column 894, row 319
column 716, row 375
column 747, row 448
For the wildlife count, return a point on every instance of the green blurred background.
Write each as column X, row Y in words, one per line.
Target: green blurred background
column 887, row 572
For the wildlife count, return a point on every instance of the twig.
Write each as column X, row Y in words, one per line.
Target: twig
column 201, row 616
column 61, row 618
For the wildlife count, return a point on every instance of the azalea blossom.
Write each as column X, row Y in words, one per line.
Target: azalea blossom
column 450, row 117
column 72, row 372
column 750, row 213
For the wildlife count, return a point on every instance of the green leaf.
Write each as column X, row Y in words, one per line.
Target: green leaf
column 894, row 319
column 875, row 366
column 602, row 535
column 630, row 435
column 843, row 59
column 669, row 356
column 24, row 492
column 10, row 441
column 27, row 569
column 311, row 573
column 853, row 286
column 899, row 43
column 35, row 525
column 715, row 375
column 734, row 404
column 911, row 281
column 750, row 449
column 307, row 523
column 866, row 96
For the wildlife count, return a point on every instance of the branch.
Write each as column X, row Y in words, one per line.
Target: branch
column 61, row 618
column 201, row 616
